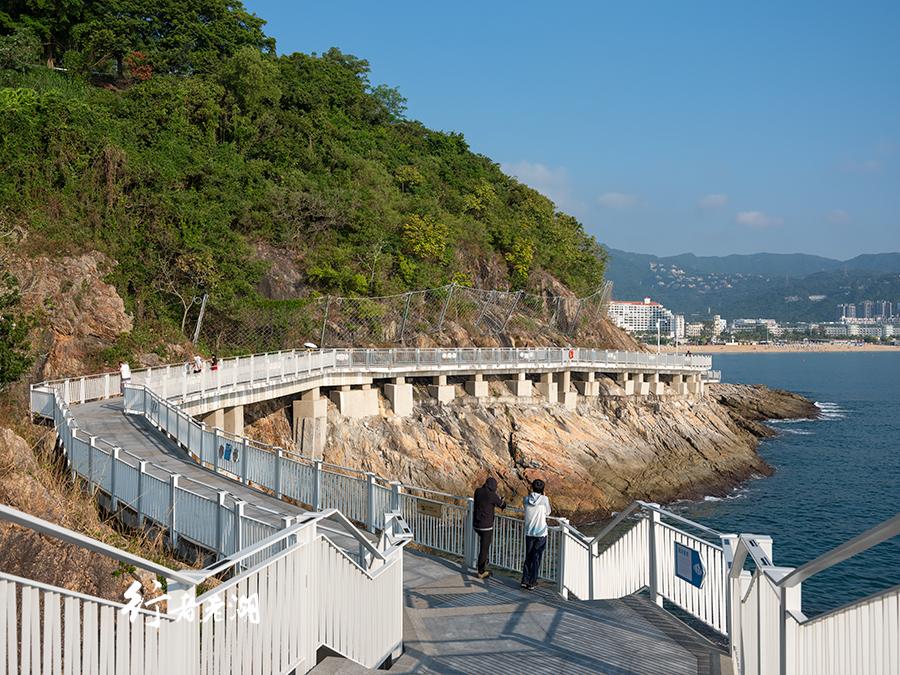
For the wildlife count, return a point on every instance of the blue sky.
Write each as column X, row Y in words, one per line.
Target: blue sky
column 665, row 127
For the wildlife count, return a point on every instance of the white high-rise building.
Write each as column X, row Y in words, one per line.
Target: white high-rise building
column 679, row 326
column 641, row 317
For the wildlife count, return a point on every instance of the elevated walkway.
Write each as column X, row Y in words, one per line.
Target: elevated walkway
column 453, row 622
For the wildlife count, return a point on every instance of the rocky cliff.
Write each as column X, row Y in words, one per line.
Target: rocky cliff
column 595, row 460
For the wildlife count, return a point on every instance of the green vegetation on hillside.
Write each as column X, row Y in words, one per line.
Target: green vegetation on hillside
column 176, row 139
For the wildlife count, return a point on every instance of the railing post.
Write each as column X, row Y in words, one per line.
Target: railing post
column 220, row 523
column 113, row 465
column 469, row 554
column 139, row 505
column 317, row 485
column 244, row 462
column 92, row 443
column 173, row 488
column 370, row 501
column 396, row 488
column 238, row 518
column 202, row 440
column 561, row 561
column 215, row 437
column 729, row 543
column 106, row 385
column 279, row 455
column 652, row 559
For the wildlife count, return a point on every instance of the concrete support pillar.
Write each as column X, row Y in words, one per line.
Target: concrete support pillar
column 521, row 386
column 694, row 385
column 362, row 402
column 626, row 381
column 234, row 420
column 440, row 390
column 548, row 388
column 216, row 418
column 310, row 415
column 477, row 387
column 641, row 386
column 679, row 387
column 400, row 395
column 586, row 384
column 565, row 394
column 656, row 385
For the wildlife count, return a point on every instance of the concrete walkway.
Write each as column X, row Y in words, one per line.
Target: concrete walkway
column 453, row 622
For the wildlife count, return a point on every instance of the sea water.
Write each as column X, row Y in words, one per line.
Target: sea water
column 835, row 477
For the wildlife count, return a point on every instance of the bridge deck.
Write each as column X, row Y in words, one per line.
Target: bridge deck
column 453, row 622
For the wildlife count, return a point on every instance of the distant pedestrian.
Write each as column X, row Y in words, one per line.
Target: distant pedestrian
column 124, row 376
column 486, row 500
column 198, row 364
column 537, row 508
column 214, row 364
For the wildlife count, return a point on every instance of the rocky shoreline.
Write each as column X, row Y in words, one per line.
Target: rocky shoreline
column 595, row 460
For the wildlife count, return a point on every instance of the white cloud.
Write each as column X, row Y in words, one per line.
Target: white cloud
column 617, row 200
column 551, row 182
column 712, row 201
column 757, row 219
column 838, row 217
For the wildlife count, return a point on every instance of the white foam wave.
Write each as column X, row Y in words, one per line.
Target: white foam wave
column 797, row 432
column 830, row 411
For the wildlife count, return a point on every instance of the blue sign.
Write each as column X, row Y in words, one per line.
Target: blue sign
column 689, row 565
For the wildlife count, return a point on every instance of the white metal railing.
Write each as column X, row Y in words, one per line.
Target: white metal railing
column 711, row 376
column 438, row 520
column 179, row 381
column 197, row 512
column 770, row 633
column 306, row 595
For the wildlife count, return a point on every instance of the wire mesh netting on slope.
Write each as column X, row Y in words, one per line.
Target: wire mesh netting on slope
column 451, row 315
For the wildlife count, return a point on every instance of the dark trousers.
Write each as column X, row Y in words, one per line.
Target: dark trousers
column 534, row 553
column 485, row 537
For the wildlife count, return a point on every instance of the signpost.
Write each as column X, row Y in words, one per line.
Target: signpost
column 689, row 565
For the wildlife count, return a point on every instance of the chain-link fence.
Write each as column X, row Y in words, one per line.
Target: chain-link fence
column 449, row 315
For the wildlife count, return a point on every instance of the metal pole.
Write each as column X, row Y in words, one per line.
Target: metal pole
column 405, row 314
column 511, row 310
column 490, row 296
column 444, row 308
column 324, row 322
column 200, row 318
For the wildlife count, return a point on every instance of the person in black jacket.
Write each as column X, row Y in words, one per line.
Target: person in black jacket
column 486, row 500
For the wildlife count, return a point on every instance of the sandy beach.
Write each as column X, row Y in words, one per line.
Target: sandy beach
column 787, row 347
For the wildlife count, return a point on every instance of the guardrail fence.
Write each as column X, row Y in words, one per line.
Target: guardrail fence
column 180, row 380
column 272, row 617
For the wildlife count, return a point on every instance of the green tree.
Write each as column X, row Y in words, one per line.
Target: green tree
column 14, row 347
column 19, row 49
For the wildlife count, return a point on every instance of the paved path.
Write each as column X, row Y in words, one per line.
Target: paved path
column 453, row 622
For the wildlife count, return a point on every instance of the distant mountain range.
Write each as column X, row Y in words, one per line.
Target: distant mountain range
column 786, row 287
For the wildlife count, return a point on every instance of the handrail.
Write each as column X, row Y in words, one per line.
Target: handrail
column 880, row 533
column 62, row 534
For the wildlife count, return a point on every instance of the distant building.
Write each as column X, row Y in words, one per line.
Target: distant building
column 835, row 329
column 884, row 310
column 718, row 325
column 642, row 317
column 693, row 330
column 749, row 325
column 846, row 311
column 866, row 310
column 679, row 326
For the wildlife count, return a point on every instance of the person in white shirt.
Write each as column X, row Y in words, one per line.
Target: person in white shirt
column 124, row 376
column 537, row 508
column 198, row 364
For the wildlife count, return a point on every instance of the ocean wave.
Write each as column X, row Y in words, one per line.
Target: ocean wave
column 797, row 432
column 830, row 411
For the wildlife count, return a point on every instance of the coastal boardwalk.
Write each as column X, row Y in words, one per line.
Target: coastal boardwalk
column 454, row 622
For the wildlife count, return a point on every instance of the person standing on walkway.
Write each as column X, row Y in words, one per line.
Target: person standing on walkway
column 124, row 376
column 486, row 500
column 537, row 508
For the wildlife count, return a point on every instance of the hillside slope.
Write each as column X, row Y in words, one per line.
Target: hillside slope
column 188, row 166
